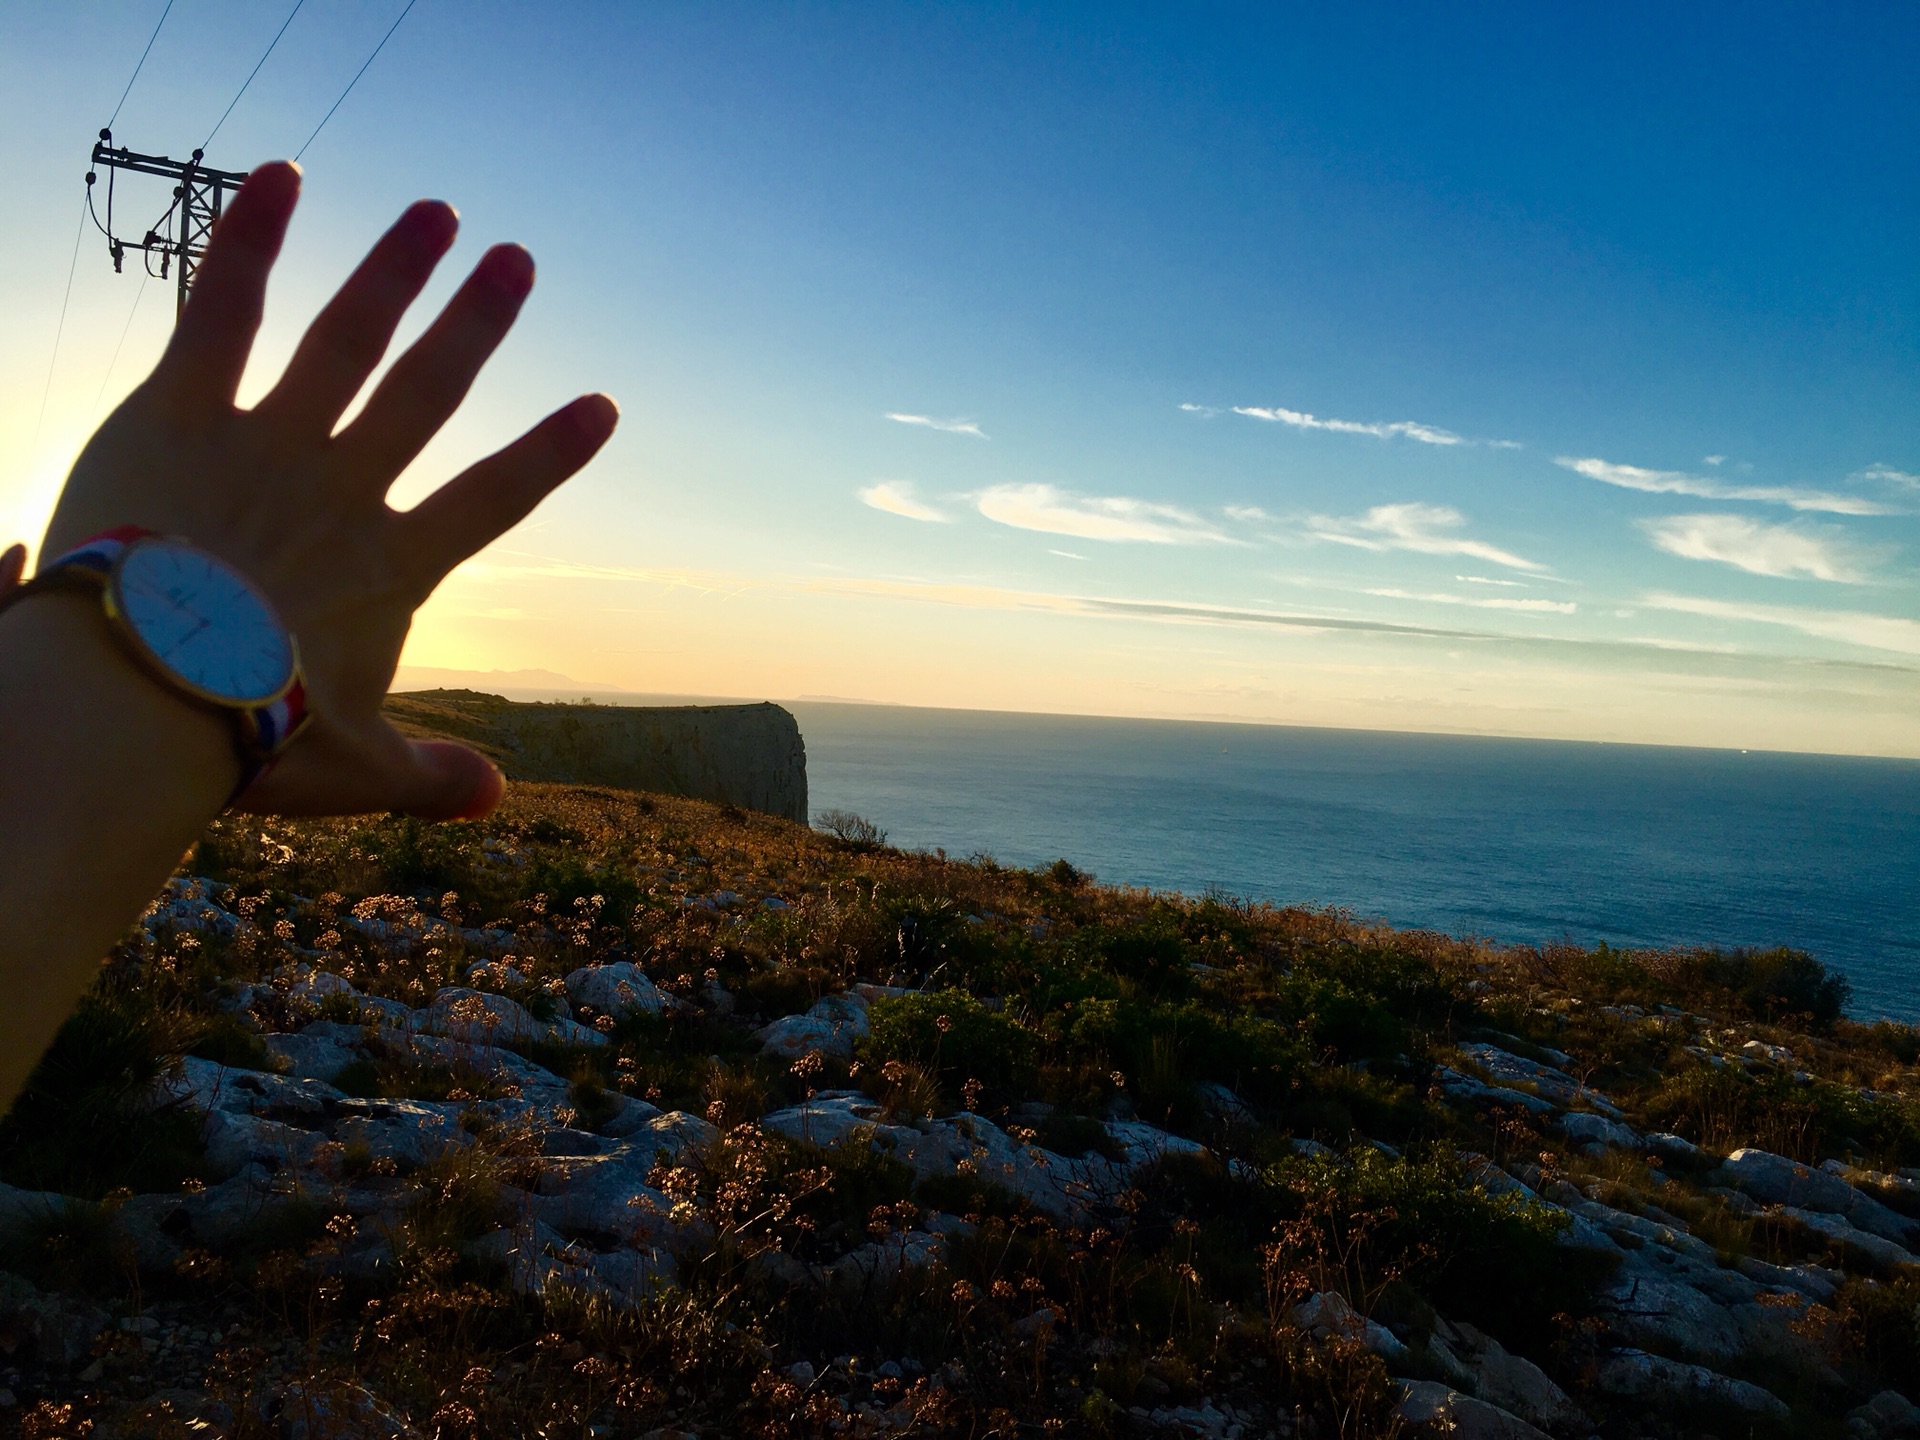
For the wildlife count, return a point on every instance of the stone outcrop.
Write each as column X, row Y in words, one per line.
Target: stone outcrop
column 746, row 755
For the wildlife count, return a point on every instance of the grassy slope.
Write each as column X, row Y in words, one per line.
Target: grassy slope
column 1050, row 988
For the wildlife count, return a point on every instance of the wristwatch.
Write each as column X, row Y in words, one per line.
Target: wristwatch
column 196, row 624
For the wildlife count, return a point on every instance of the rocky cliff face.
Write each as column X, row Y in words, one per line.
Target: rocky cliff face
column 747, row 755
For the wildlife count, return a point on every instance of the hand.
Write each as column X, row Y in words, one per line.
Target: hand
column 12, row 561
column 301, row 510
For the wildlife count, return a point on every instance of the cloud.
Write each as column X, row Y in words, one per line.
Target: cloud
column 1208, row 411
column 1096, row 517
column 953, row 427
column 1891, row 476
column 1785, row 551
column 1246, row 514
column 1678, row 482
column 1066, row 554
column 1300, row 420
column 1423, row 529
column 896, row 498
column 1854, row 627
column 1483, row 580
column 1484, row 602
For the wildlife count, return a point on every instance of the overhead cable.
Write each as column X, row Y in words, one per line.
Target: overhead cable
column 142, row 62
column 355, row 81
column 58, row 331
column 255, row 71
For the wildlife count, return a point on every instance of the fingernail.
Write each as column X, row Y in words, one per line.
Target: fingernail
column 508, row 268
column 434, row 222
column 595, row 416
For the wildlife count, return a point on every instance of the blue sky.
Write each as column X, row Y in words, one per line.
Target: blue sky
column 1481, row 369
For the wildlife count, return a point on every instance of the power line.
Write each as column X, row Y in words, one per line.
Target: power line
column 255, row 71
column 142, row 63
column 58, row 331
column 124, row 329
column 355, row 81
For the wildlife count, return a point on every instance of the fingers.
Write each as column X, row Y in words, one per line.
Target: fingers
column 434, row 779
column 348, row 338
column 482, row 503
column 427, row 384
column 201, row 370
column 12, row 563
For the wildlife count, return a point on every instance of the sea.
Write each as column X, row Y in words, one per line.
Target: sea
column 1517, row 841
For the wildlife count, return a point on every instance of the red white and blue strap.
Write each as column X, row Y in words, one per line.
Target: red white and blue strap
column 102, row 552
column 267, row 727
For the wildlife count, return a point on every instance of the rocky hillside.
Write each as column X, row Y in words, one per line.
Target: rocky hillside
column 617, row 1115
column 746, row 755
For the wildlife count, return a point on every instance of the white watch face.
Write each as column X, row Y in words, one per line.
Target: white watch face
column 203, row 622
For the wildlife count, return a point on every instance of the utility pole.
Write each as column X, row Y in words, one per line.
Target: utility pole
column 178, row 237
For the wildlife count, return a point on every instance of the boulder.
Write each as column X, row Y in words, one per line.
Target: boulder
column 1586, row 1129
column 1776, row 1180
column 236, row 1140
column 207, row 1086
column 1471, row 1091
column 313, row 1057
column 833, row 1026
column 1326, row 1313
column 1433, row 1407
column 1505, row 1068
column 410, row 1133
column 534, row 1082
column 619, row 990
column 1636, row 1375
column 973, row 1145
column 1513, row 1382
column 1886, row 1416
column 1848, row 1236
column 478, row 1017
column 1645, row 1305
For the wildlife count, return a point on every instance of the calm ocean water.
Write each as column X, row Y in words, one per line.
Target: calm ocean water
column 1517, row 840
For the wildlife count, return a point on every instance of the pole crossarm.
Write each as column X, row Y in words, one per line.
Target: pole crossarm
column 180, row 235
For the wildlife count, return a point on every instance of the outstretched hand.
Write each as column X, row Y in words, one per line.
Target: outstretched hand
column 301, row 510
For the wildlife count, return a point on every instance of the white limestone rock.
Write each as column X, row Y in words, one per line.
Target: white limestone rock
column 1775, row 1180
column 1439, row 1410
column 619, row 990
column 1326, row 1313
column 973, row 1145
column 834, row 1025
column 480, row 1018
column 1636, row 1375
column 410, row 1133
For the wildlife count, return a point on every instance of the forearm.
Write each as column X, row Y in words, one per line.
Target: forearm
column 106, row 777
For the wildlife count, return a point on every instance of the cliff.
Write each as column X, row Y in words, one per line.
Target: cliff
column 748, row 755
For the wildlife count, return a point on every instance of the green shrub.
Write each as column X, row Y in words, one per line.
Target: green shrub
column 1368, row 1218
column 954, row 1036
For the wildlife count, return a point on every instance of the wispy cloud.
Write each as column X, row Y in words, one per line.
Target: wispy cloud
column 1066, row 554
column 1301, row 420
column 1484, row 580
column 1891, row 476
column 1423, row 529
column 1207, row 411
column 1785, row 551
column 1483, row 602
column 1246, row 514
column 896, row 498
column 1854, row 627
column 1679, row 482
column 952, row 427
column 1096, row 517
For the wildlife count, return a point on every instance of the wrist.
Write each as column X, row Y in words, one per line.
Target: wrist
column 114, row 716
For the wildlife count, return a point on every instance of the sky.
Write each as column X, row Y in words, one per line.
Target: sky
column 1521, row 370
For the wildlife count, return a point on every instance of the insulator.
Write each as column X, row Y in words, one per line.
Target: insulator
column 106, row 134
column 196, row 156
column 90, row 177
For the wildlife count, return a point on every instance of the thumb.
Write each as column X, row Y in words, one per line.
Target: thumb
column 12, row 562
column 452, row 782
